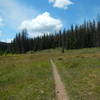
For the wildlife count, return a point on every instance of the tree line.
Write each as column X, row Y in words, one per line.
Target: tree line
column 86, row 35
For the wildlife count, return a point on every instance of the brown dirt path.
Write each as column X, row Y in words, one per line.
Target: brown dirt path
column 60, row 90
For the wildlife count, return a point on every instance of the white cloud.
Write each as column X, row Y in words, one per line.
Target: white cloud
column 43, row 23
column 61, row 3
column 14, row 12
column 7, row 40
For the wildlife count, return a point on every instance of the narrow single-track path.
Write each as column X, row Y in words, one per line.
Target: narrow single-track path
column 60, row 90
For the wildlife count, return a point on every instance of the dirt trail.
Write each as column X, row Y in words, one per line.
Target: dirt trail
column 60, row 91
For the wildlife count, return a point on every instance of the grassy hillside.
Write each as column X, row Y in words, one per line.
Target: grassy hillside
column 29, row 76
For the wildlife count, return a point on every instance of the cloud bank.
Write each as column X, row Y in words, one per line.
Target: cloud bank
column 13, row 13
column 43, row 23
column 8, row 40
column 61, row 3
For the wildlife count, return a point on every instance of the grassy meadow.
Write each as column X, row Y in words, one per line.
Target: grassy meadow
column 26, row 77
column 80, row 72
column 29, row 76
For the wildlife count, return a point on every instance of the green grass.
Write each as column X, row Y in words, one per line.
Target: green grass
column 26, row 77
column 29, row 76
column 80, row 72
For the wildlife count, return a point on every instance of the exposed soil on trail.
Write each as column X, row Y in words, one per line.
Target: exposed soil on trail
column 60, row 90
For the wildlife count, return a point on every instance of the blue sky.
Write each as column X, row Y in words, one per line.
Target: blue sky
column 43, row 16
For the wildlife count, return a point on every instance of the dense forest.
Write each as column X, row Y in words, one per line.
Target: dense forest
column 86, row 35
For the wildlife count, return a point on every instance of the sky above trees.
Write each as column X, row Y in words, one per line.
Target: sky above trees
column 43, row 16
